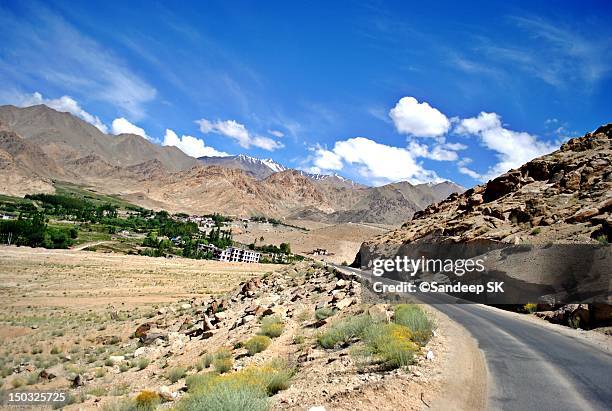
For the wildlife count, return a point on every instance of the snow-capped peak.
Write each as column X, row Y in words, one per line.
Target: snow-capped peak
column 273, row 165
column 268, row 162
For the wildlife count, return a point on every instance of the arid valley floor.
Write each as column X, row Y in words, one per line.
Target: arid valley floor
column 73, row 320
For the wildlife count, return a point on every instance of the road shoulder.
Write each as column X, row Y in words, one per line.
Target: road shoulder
column 464, row 379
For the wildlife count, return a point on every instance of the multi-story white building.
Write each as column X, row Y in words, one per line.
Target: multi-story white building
column 235, row 254
column 232, row 254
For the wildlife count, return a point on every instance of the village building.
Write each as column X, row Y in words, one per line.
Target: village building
column 231, row 254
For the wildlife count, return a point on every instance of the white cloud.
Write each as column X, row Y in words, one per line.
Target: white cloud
column 326, row 160
column 205, row 126
column 65, row 104
column 238, row 132
column 122, row 125
column 192, row 146
column 469, row 172
column 440, row 152
column 513, row 148
column 276, row 133
column 418, row 119
column 379, row 163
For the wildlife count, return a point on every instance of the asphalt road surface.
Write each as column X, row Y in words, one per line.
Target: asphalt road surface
column 533, row 367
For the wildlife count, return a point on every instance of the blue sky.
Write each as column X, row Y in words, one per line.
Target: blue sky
column 375, row 91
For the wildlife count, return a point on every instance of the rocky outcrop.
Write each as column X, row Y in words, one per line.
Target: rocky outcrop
column 565, row 196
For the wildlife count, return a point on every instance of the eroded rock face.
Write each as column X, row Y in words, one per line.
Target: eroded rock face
column 566, row 194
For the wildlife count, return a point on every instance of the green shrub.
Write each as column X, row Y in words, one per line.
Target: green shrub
column 142, row 363
column 391, row 345
column 147, row 400
column 204, row 362
column 97, row 391
column 196, row 381
column 123, row 404
column 530, row 308
column 32, row 378
column 223, row 353
column 226, row 397
column 417, row 321
column 244, row 389
column 344, row 330
column 257, row 344
column 298, row 339
column 223, row 365
column 176, row 373
column 271, row 326
column 17, row 382
column 323, row 313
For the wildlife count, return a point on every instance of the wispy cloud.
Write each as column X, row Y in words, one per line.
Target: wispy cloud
column 558, row 54
column 50, row 50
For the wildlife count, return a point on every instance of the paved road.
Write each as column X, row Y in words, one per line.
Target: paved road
column 533, row 367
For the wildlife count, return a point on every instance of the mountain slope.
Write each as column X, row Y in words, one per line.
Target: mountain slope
column 24, row 168
column 64, row 137
column 388, row 204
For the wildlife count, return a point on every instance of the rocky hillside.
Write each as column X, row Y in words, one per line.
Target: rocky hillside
column 565, row 196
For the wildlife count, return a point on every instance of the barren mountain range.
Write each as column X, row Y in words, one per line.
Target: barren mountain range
column 39, row 146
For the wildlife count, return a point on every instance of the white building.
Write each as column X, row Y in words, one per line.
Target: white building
column 235, row 254
column 232, row 254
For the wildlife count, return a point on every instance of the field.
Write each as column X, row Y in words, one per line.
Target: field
column 60, row 279
column 68, row 311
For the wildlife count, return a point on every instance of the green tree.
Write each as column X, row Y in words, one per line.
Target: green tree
column 285, row 248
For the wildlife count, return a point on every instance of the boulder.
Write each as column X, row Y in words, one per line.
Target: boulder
column 536, row 169
column 152, row 335
column 46, row 375
column 342, row 304
column 583, row 215
column 76, row 380
column 341, row 283
column 206, row 324
column 502, row 185
column 143, row 329
column 475, row 200
column 166, row 394
column 571, row 180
